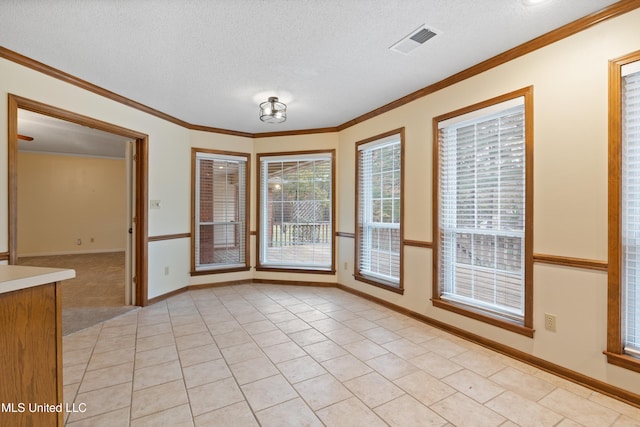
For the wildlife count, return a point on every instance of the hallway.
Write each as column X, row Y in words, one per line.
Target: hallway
column 97, row 292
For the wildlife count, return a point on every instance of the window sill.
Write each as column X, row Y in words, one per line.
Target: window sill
column 623, row 361
column 218, row 271
column 284, row 269
column 482, row 317
column 379, row 284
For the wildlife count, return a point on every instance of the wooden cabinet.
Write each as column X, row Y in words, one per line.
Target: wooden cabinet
column 31, row 356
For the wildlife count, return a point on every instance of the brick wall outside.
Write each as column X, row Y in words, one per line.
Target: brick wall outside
column 206, row 211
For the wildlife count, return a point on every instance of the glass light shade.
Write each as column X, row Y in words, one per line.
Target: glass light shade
column 534, row 2
column 273, row 111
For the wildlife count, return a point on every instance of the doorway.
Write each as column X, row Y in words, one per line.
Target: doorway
column 135, row 158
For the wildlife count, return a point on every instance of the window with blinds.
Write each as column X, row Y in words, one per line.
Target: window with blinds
column 481, row 185
column 220, row 207
column 296, row 211
column 379, row 211
column 631, row 209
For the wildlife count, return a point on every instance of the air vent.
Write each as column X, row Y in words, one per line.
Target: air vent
column 413, row 40
column 422, row 36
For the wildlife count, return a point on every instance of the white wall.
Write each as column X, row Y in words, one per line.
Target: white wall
column 70, row 204
column 570, row 187
column 168, row 151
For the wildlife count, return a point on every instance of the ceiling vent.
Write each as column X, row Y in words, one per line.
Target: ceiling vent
column 413, row 40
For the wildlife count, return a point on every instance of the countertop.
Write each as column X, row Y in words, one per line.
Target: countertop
column 16, row 277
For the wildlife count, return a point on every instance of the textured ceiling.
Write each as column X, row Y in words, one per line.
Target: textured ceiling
column 210, row 63
column 51, row 135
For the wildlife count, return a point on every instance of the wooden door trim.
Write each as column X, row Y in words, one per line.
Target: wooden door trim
column 141, row 187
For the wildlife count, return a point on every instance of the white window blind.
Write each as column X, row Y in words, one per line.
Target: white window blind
column 631, row 210
column 220, row 211
column 379, row 210
column 481, row 212
column 296, row 211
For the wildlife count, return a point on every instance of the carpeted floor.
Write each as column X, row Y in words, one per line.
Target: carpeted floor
column 97, row 292
column 78, row 318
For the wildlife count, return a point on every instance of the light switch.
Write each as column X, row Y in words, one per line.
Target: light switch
column 154, row 204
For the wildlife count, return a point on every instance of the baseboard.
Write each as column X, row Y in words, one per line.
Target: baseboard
column 219, row 284
column 198, row 287
column 85, row 252
column 573, row 376
column 240, row 282
column 295, row 283
column 166, row 296
column 560, row 371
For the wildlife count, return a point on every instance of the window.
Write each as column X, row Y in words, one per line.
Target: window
column 220, row 205
column 623, row 342
column 296, row 211
column 482, row 211
column 379, row 210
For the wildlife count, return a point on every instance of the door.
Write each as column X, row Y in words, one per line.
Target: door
column 130, row 255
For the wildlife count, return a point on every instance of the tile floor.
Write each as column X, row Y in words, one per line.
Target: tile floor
column 271, row 355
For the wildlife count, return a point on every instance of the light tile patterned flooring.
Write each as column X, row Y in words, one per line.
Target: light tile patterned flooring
column 271, row 355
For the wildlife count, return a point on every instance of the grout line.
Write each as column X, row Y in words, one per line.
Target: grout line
column 234, row 297
column 133, row 375
column 246, row 401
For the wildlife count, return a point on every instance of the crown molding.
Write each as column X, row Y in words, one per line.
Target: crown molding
column 295, row 132
column 220, row 130
column 83, row 84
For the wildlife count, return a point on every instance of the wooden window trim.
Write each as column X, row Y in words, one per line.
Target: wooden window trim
column 526, row 328
column 365, row 278
column 615, row 352
column 247, row 198
column 292, row 269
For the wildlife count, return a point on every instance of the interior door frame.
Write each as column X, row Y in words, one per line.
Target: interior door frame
column 141, row 181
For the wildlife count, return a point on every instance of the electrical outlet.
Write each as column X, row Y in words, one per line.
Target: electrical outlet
column 550, row 322
column 166, row 270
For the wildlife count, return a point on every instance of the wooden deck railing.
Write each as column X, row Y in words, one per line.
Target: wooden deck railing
column 287, row 233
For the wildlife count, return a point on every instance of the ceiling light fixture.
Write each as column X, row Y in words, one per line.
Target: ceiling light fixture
column 273, row 111
column 533, row 2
